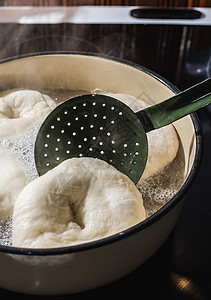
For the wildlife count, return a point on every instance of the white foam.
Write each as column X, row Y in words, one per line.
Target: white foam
column 163, row 186
column 6, row 232
column 23, row 147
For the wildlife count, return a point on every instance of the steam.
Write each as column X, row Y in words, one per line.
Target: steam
column 20, row 39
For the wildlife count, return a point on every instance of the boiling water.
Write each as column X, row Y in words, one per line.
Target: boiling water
column 156, row 190
column 163, row 186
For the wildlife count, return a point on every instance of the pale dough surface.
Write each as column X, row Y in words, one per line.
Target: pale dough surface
column 19, row 110
column 80, row 200
column 163, row 143
column 12, row 180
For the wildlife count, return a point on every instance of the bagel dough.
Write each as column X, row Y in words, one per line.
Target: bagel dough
column 80, row 200
column 163, row 143
column 19, row 110
column 13, row 180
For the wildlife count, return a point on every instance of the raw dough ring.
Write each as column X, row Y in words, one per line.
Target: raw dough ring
column 80, row 200
column 19, row 110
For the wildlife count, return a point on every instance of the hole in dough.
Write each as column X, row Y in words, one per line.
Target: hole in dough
column 19, row 110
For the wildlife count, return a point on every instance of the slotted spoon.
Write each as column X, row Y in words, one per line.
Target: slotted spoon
column 102, row 127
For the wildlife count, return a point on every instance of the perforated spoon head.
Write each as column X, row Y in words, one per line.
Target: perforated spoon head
column 93, row 126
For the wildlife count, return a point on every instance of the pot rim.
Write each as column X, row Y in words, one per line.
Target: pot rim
column 148, row 221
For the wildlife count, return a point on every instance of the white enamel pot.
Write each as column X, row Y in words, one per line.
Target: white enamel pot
column 87, row 266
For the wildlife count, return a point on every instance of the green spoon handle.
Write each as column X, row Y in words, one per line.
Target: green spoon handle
column 176, row 107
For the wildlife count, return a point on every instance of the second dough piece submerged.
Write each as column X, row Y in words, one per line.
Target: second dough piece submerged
column 80, row 200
